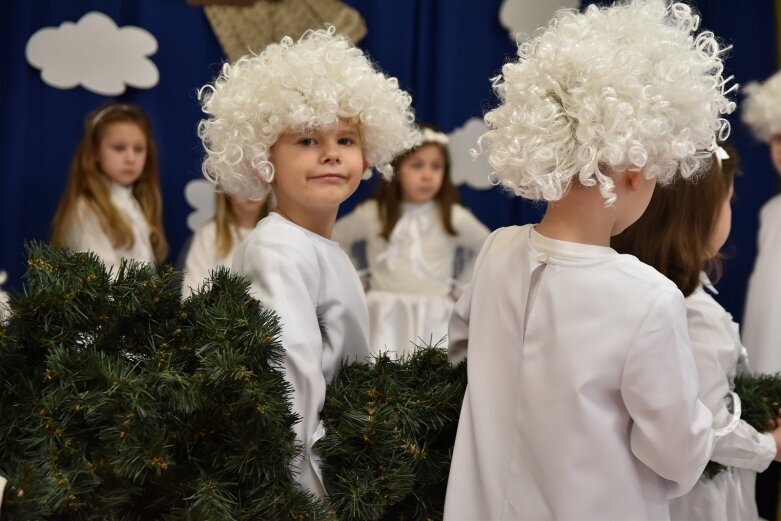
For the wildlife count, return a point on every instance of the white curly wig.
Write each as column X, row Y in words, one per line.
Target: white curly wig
column 299, row 85
column 762, row 107
column 627, row 87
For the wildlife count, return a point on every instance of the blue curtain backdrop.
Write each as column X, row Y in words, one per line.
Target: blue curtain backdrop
column 442, row 51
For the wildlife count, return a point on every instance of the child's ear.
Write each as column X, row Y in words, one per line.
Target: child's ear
column 634, row 180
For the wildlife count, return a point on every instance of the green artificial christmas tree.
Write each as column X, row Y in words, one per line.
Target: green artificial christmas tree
column 390, row 430
column 121, row 402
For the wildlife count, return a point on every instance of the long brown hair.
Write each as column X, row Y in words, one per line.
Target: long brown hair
column 674, row 233
column 85, row 180
column 224, row 218
column 389, row 194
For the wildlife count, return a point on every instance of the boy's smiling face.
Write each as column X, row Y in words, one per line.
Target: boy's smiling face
column 316, row 170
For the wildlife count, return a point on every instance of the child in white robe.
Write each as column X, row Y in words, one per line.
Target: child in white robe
column 112, row 204
column 581, row 401
column 413, row 230
column 215, row 241
column 304, row 119
column 680, row 234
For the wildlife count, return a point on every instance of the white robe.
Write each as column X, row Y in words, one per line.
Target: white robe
column 303, row 276
column 762, row 316
column 582, row 395
column 719, row 356
column 412, row 275
column 202, row 257
column 84, row 232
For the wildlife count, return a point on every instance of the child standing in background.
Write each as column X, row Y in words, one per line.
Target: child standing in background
column 215, row 242
column 412, row 229
column 680, row 234
column 306, row 118
column 761, row 332
column 582, row 394
column 112, row 204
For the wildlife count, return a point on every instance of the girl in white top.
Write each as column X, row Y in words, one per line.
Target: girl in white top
column 304, row 119
column 582, row 394
column 684, row 228
column 112, row 205
column 215, row 242
column 761, row 323
column 412, row 230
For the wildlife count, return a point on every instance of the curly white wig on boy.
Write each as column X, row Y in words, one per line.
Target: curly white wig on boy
column 627, row 87
column 762, row 107
column 299, row 85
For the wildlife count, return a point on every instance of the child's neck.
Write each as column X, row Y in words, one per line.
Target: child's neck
column 320, row 223
column 581, row 217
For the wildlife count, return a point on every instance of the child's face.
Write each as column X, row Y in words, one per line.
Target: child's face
column 122, row 153
column 316, row 170
column 421, row 174
column 722, row 226
column 775, row 152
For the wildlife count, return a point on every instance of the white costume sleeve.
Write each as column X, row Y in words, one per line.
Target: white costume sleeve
column 458, row 329
column 284, row 276
column 671, row 431
column 85, row 234
column 744, row 447
column 471, row 236
column 200, row 259
column 354, row 227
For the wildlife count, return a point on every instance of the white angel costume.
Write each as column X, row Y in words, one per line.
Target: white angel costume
column 84, row 232
column 203, row 257
column 720, row 356
column 412, row 282
column 762, row 316
column 582, row 396
column 306, row 278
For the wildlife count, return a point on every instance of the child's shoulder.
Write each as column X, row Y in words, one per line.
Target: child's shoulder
column 274, row 231
column 630, row 270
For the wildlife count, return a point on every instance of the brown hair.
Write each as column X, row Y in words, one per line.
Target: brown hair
column 224, row 218
column 673, row 235
column 85, row 180
column 389, row 194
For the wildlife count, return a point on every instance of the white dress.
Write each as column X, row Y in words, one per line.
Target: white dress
column 719, row 356
column 411, row 290
column 303, row 276
column 582, row 396
column 762, row 316
column 202, row 257
column 85, row 234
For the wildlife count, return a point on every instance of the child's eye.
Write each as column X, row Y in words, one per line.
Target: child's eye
column 346, row 141
column 306, row 141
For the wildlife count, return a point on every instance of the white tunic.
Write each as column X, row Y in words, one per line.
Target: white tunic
column 303, row 276
column 719, row 357
column 582, row 395
column 85, row 234
column 410, row 297
column 762, row 316
column 202, row 257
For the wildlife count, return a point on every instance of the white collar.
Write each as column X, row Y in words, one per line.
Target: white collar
column 566, row 249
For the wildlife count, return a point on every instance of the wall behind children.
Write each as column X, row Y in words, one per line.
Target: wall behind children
column 442, row 51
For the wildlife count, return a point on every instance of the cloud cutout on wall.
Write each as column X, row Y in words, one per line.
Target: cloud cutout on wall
column 199, row 194
column 95, row 54
column 525, row 17
column 464, row 168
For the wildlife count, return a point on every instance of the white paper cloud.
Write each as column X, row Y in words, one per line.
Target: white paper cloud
column 95, row 54
column 463, row 168
column 526, row 16
column 199, row 194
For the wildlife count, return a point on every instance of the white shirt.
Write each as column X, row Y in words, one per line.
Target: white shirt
column 762, row 316
column 202, row 257
column 84, row 233
column 719, row 357
column 419, row 258
column 303, row 276
column 582, row 395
